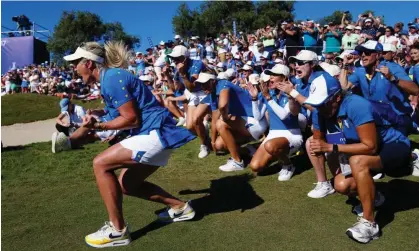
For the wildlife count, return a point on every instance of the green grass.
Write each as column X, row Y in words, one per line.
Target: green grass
column 25, row 108
column 50, row 202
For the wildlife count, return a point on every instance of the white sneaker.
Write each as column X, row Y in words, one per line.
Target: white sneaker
column 108, row 236
column 232, row 166
column 378, row 176
column 181, row 121
column 378, row 201
column 60, row 142
column 415, row 164
column 286, row 173
column 176, row 215
column 203, row 151
column 322, row 189
column 364, row 231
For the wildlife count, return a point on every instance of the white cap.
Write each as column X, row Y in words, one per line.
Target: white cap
column 161, row 42
column 254, row 79
column 138, row 53
column 177, row 37
column 350, row 27
column 249, row 63
column 389, row 47
column 333, row 70
column 265, row 77
column 279, row 69
column 305, row 55
column 279, row 61
column 178, row 51
column 220, row 51
column 222, row 75
column 344, row 53
column 145, row 78
column 82, row 53
column 358, row 28
column 79, row 80
column 193, row 38
column 204, row 77
column 368, row 20
column 229, row 73
column 220, row 65
column 246, row 67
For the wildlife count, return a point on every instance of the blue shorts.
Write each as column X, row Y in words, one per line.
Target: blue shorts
column 395, row 159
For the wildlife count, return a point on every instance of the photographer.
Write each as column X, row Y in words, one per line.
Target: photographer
column 292, row 37
column 310, row 33
column 332, row 38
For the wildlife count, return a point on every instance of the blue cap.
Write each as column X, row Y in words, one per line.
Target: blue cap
column 404, row 32
column 64, row 104
column 416, row 26
column 322, row 89
column 370, row 45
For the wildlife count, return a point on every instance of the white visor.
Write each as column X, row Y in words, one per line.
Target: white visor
column 82, row 53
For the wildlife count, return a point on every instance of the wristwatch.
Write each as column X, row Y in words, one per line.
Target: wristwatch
column 335, row 148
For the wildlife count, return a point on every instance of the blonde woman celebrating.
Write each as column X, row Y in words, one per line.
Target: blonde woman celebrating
column 154, row 135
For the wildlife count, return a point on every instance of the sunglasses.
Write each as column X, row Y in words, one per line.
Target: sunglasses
column 300, row 63
column 388, row 30
column 367, row 53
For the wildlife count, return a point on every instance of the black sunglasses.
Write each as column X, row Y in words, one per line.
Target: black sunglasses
column 367, row 53
column 300, row 63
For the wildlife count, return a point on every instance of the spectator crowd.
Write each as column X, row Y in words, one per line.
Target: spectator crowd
column 342, row 93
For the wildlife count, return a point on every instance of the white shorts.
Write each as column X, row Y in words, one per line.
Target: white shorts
column 195, row 98
column 255, row 127
column 106, row 134
column 293, row 136
column 147, row 149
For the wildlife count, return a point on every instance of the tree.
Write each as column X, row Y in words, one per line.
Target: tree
column 115, row 31
column 336, row 18
column 75, row 28
column 214, row 17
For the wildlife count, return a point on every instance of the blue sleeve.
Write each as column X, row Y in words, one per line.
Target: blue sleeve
column 399, row 72
column 118, row 89
column 254, row 59
column 197, row 67
column 354, row 79
column 360, row 111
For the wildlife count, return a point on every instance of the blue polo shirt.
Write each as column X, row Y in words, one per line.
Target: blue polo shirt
column 118, row 87
column 304, row 88
column 380, row 88
column 275, row 123
column 239, row 102
column 194, row 68
column 310, row 39
column 355, row 111
column 140, row 65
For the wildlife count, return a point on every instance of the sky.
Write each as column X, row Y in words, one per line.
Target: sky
column 154, row 19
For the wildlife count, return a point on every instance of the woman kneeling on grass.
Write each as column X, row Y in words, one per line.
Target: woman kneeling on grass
column 357, row 140
column 154, row 135
column 284, row 137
